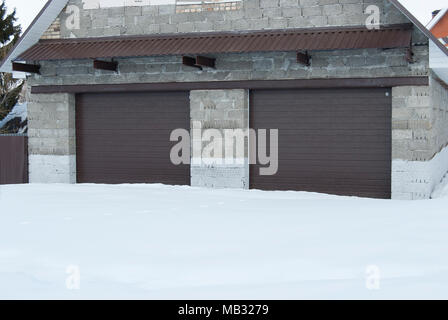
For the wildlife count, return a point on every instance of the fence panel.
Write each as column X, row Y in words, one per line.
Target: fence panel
column 13, row 159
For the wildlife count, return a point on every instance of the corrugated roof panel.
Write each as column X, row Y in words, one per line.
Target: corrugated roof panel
column 213, row 43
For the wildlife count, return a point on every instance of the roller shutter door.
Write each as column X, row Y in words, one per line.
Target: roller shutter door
column 125, row 137
column 335, row 141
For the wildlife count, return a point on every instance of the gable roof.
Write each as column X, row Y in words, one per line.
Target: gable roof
column 34, row 32
column 437, row 18
column 53, row 8
column 397, row 36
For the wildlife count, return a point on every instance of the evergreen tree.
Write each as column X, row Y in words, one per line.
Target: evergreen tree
column 9, row 34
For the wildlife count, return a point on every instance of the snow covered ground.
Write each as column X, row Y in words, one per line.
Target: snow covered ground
column 162, row 242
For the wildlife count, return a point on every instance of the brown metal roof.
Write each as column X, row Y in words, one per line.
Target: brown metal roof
column 211, row 43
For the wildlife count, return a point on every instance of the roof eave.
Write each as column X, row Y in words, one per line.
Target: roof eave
column 33, row 33
column 436, row 19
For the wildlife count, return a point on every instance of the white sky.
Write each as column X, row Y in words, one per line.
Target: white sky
column 28, row 9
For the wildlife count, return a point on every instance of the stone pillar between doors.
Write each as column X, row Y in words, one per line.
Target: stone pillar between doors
column 221, row 114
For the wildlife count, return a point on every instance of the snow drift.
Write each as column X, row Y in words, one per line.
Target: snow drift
column 162, row 242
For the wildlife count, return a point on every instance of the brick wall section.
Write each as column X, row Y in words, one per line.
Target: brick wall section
column 52, row 120
column 411, row 124
column 54, row 31
column 419, row 139
column 439, row 104
column 253, row 15
column 208, row 5
column 52, row 139
column 220, row 110
column 419, row 121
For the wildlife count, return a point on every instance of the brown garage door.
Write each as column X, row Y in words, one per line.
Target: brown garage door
column 125, row 137
column 335, row 141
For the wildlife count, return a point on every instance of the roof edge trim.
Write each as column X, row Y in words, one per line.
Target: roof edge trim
column 437, row 18
column 32, row 34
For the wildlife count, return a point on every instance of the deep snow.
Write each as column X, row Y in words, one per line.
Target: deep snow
column 162, row 242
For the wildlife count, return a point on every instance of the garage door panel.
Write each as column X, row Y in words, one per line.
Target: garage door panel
column 138, row 148
column 332, row 141
column 142, row 120
column 118, row 179
column 125, row 137
column 113, row 171
column 344, row 125
column 314, row 184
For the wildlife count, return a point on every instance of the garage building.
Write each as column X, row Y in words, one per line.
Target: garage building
column 361, row 110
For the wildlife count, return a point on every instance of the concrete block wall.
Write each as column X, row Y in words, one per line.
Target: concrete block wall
column 229, row 67
column 51, row 138
column 419, row 113
column 252, row 15
column 254, row 66
column 419, row 139
column 439, row 104
column 220, row 110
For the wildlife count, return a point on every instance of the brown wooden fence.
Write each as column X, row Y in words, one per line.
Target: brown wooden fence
column 13, row 159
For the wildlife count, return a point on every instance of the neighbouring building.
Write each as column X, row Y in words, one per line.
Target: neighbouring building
column 439, row 25
column 361, row 107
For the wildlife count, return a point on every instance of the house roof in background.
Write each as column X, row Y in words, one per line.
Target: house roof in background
column 437, row 18
column 420, row 26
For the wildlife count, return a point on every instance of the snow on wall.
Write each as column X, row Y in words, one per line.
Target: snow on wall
column 220, row 175
column 412, row 180
column 52, row 169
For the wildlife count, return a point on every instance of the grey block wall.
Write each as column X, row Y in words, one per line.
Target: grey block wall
column 253, row 15
column 222, row 111
column 51, row 138
column 254, row 66
column 419, row 139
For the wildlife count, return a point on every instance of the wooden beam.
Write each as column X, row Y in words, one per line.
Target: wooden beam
column 24, row 67
column 105, row 65
column 246, row 84
column 191, row 62
column 205, row 61
column 199, row 62
column 303, row 58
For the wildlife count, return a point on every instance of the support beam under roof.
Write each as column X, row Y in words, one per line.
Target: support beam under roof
column 25, row 67
column 105, row 65
column 303, row 58
column 199, row 62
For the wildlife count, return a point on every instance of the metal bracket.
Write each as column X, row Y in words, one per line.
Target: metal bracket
column 199, row 62
column 303, row 58
column 25, row 67
column 105, row 65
